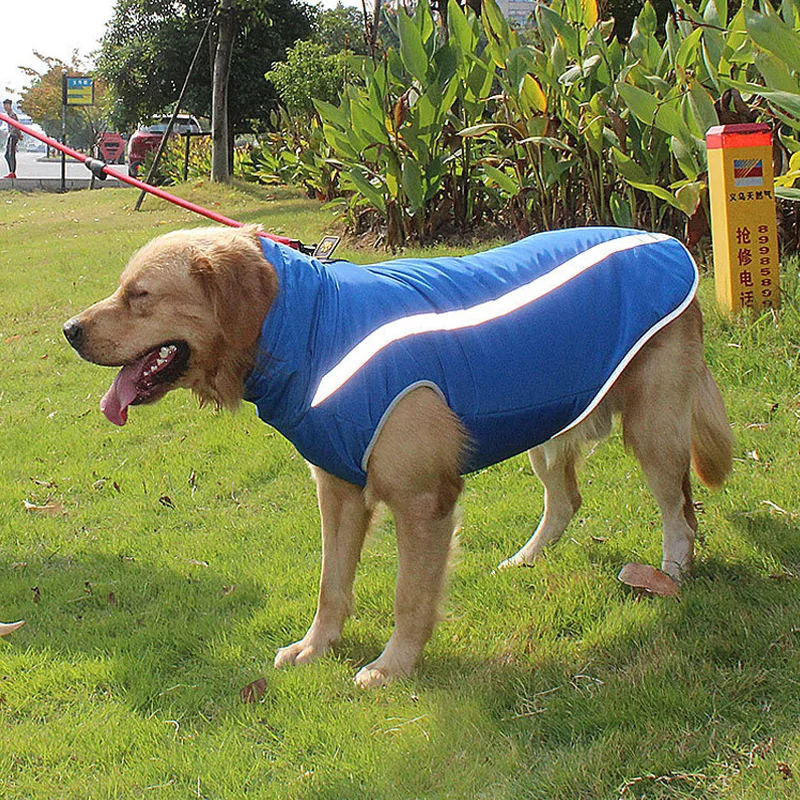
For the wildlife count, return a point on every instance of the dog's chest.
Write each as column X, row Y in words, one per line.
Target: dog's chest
column 521, row 341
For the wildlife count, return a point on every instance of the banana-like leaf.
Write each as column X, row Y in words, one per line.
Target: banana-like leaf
column 641, row 103
column 771, row 33
column 590, row 13
column 532, row 96
column 366, row 188
column 688, row 197
column 776, row 73
column 502, row 179
column 412, row 185
column 412, row 49
column 787, row 101
column 788, row 194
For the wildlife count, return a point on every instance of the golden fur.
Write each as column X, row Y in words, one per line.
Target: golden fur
column 212, row 288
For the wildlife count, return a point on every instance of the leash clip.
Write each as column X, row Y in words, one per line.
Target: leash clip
column 96, row 167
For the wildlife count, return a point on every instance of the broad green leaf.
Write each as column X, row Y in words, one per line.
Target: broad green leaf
column 642, row 104
column 479, row 78
column 502, row 179
column 446, row 63
column 331, row 114
column 590, row 13
column 423, row 20
column 647, row 21
column 668, row 118
column 701, row 109
column 775, row 36
column 788, row 101
column 687, row 53
column 558, row 57
column 621, row 211
column 497, row 32
column 658, row 191
column 688, row 197
column 486, row 127
column 371, row 128
column 412, row 51
column 518, row 63
column 367, row 188
column 776, row 74
column 412, row 184
column 628, row 168
column 685, row 155
column 788, row 194
column 460, row 29
column 532, row 95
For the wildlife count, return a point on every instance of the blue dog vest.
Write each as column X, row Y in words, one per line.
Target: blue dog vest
column 522, row 342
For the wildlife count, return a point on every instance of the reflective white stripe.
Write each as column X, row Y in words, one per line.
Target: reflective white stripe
column 643, row 340
column 506, row 304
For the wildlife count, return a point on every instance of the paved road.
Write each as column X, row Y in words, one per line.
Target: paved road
column 33, row 165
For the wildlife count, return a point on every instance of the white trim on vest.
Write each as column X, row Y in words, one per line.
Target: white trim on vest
column 488, row 311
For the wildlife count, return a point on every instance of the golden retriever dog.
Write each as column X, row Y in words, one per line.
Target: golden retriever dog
column 193, row 309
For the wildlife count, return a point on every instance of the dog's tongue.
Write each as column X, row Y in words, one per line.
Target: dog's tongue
column 121, row 394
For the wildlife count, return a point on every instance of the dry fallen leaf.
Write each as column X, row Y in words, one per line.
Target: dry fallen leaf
column 52, row 508
column 785, row 771
column 648, row 579
column 254, row 691
column 45, row 484
column 10, row 627
column 37, row 594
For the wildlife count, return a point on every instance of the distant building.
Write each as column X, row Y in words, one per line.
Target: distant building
column 517, row 11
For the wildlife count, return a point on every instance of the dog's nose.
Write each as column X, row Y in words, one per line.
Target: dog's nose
column 73, row 330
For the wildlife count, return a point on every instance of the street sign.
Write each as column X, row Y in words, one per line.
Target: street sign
column 112, row 147
column 80, row 92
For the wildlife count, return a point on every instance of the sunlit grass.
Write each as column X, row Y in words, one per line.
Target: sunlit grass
column 180, row 552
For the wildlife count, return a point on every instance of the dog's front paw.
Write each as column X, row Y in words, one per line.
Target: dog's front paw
column 308, row 649
column 384, row 669
column 371, row 678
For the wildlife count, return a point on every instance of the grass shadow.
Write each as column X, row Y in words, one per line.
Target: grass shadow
column 164, row 636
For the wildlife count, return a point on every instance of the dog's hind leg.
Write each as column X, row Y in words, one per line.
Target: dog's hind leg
column 345, row 519
column 656, row 399
column 665, row 461
column 554, row 463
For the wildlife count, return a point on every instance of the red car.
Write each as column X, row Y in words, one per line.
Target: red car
column 148, row 137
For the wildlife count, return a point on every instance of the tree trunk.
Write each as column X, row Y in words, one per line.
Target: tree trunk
column 220, row 134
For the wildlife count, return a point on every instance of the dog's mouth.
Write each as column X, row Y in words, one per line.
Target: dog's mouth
column 145, row 380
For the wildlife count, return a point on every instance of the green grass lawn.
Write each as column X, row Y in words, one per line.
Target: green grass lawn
column 174, row 556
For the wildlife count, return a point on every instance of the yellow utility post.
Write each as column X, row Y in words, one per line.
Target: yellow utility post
column 744, row 227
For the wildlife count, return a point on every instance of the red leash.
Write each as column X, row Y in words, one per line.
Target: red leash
column 100, row 169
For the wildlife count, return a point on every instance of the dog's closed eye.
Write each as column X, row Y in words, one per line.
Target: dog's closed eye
column 137, row 298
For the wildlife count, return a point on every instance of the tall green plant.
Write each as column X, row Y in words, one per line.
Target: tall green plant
column 570, row 127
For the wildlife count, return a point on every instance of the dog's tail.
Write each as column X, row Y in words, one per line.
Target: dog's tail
column 712, row 442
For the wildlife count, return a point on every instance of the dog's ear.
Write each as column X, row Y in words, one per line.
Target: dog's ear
column 238, row 282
